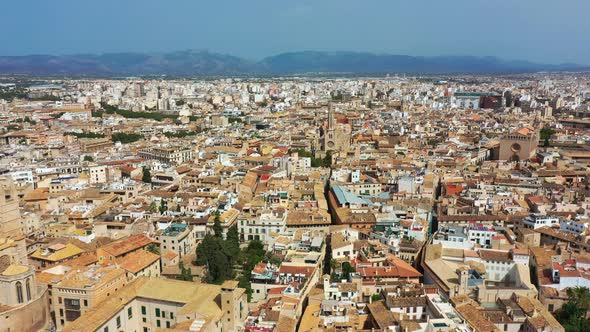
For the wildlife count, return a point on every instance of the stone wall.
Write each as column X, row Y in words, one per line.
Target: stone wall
column 29, row 318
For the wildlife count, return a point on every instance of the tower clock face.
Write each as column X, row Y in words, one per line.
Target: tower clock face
column 330, row 144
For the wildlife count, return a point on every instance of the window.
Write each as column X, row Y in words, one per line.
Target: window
column 171, row 315
column 28, row 288
column 144, row 320
column 118, row 322
column 167, row 325
column 129, row 313
column 19, row 292
column 163, row 314
column 157, row 312
column 85, row 303
column 158, row 323
column 143, row 310
column 106, row 329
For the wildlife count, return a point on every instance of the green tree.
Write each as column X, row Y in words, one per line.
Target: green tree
column 327, row 162
column 233, row 119
column 185, row 273
column 163, row 206
column 244, row 282
column 232, row 243
column 109, row 109
column 375, row 297
column 347, row 269
column 180, row 134
column 125, row 138
column 84, row 135
column 315, row 162
column 217, row 229
column 154, row 248
column 210, row 253
column 333, row 265
column 546, row 134
column 147, row 176
column 573, row 314
column 255, row 248
column 88, row 158
column 581, row 297
column 153, row 207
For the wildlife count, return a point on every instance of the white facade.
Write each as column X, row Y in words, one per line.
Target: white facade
column 22, row 178
column 482, row 235
column 407, row 184
column 576, row 227
column 262, row 227
column 98, row 174
column 535, row 221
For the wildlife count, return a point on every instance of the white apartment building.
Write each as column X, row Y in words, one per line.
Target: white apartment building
column 537, row 220
column 263, row 225
column 480, row 234
column 98, row 174
column 576, row 227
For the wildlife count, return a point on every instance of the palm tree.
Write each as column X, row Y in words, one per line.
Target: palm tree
column 333, row 265
column 581, row 297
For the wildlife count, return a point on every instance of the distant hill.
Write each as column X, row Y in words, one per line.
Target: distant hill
column 176, row 63
column 204, row 63
column 356, row 62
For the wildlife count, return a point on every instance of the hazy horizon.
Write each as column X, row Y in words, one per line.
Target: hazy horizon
column 539, row 31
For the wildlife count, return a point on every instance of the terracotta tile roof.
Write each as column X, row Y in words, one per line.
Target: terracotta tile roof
column 397, row 268
column 293, row 270
column 476, row 319
column 138, row 260
column 170, row 255
column 128, row 244
column 496, row 256
column 382, row 316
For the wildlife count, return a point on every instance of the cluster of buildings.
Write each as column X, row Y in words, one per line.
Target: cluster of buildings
column 391, row 204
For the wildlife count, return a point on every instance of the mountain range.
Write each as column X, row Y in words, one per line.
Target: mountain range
column 205, row 63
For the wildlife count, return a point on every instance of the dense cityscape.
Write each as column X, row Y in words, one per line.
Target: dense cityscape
column 393, row 203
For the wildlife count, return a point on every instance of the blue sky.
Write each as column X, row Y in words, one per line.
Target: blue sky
column 539, row 30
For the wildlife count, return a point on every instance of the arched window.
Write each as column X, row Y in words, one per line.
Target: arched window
column 19, row 292
column 28, row 287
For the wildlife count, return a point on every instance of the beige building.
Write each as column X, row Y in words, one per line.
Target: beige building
column 141, row 263
column 10, row 220
column 81, row 289
column 167, row 154
column 23, row 303
column 519, row 145
column 98, row 174
column 113, row 251
column 180, row 238
column 54, row 254
column 153, row 304
column 335, row 137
